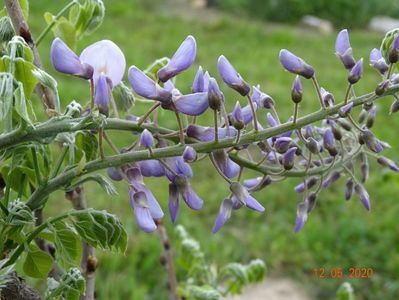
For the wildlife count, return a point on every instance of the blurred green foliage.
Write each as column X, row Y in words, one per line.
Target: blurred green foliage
column 342, row 13
column 337, row 234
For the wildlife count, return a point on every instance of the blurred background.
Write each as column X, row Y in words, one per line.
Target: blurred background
column 251, row 33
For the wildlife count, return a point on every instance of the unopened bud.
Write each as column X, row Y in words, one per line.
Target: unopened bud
column 313, row 146
column 394, row 107
column 350, row 185
column 381, row 87
column 296, row 90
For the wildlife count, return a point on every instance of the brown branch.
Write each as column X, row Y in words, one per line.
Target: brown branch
column 167, row 261
column 17, row 289
column 21, row 27
column 88, row 262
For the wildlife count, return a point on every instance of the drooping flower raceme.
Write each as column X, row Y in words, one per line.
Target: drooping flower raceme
column 102, row 62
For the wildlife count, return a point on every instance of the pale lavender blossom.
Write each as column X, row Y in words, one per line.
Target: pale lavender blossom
column 343, row 49
column 231, row 77
column 296, row 65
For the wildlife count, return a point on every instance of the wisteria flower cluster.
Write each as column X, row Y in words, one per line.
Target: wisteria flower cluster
column 321, row 154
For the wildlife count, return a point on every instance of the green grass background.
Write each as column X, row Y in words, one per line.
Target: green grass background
column 337, row 234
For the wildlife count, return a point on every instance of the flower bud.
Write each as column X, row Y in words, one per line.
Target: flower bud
column 371, row 141
column 327, row 97
column 146, row 139
column 343, row 49
column 382, row 87
column 311, row 182
column 236, row 117
column 231, row 77
column 334, row 176
column 114, row 174
column 394, row 107
column 362, row 116
column 289, row 158
column 311, row 201
column 189, row 154
column 393, row 54
column 388, row 163
column 296, row 90
column 346, row 109
column 345, row 124
column 371, row 117
column 260, row 184
column 313, row 146
column 271, row 120
column 296, row 65
column 328, row 141
column 173, row 202
column 335, row 130
column 282, row 144
column 261, row 99
column 215, row 96
column 356, row 72
column 198, row 84
column 363, row 195
column 350, row 185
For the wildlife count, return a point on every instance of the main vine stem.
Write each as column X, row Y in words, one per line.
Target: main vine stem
column 38, row 198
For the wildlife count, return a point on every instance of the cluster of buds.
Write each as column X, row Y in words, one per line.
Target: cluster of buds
column 320, row 154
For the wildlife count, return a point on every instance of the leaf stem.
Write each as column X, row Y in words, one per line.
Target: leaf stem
column 317, row 88
column 60, row 160
column 253, row 111
column 39, row 179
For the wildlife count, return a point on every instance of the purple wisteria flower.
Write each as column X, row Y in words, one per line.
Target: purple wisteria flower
column 182, row 59
column 151, row 168
column 66, row 61
column 236, row 117
column 289, row 158
column 207, row 134
column 189, row 154
column 327, row 97
column 363, row 195
column 231, row 77
column 343, row 49
column 144, row 219
column 346, row 109
column 261, row 99
column 215, row 95
column 244, row 197
column 103, row 62
column 377, row 61
column 296, row 65
column 192, row 104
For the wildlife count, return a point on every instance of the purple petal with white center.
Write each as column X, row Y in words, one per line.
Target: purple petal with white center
column 198, row 83
column 182, row 59
column 146, row 87
column 106, row 58
column 296, row 65
column 224, row 214
column 151, row 168
column 101, row 94
column 192, row 104
column 231, row 77
column 207, row 134
column 144, row 219
column 146, row 139
column 66, row 61
column 173, row 202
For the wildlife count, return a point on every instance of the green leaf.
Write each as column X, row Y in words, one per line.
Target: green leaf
column 101, row 229
column 63, row 29
column 67, row 244
column 87, row 17
column 87, row 142
column 37, row 263
column 387, row 41
column 20, row 104
column 204, row 292
column 6, row 29
column 23, row 73
column 6, row 94
column 71, row 285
